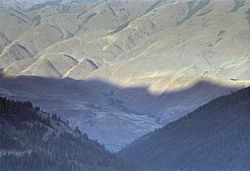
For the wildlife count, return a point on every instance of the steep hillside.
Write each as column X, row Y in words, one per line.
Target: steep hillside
column 32, row 140
column 151, row 61
column 84, row 104
column 214, row 137
column 160, row 40
column 38, row 4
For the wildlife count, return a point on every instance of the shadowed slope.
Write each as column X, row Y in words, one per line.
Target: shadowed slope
column 216, row 136
column 32, row 140
column 113, row 115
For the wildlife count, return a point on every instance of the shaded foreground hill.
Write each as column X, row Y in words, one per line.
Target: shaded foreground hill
column 108, row 112
column 32, row 140
column 146, row 63
column 216, row 136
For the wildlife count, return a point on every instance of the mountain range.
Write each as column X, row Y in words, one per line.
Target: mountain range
column 120, row 69
column 213, row 137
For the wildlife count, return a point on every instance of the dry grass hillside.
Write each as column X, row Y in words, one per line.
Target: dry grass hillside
column 163, row 58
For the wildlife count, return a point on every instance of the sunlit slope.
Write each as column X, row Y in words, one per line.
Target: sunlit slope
column 13, row 24
column 164, row 58
column 192, row 38
column 55, row 27
column 214, row 41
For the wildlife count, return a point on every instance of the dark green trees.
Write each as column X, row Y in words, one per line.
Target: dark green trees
column 32, row 140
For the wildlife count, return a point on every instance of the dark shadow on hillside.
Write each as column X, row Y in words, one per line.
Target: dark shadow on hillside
column 113, row 115
column 136, row 100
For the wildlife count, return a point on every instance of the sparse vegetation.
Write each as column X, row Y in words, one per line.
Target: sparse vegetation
column 204, row 13
column 89, row 17
column 153, row 6
column 63, row 9
column 42, row 5
column 220, row 35
column 86, row 20
column 53, row 71
column 238, row 4
column 119, row 28
column 36, row 20
column 82, row 13
column 193, row 7
column 19, row 18
column 248, row 16
column 70, row 35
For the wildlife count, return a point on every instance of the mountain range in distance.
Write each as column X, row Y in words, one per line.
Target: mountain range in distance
column 121, row 69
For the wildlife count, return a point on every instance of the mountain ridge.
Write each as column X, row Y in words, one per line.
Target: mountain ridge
column 158, row 47
column 97, row 107
column 35, row 140
column 213, row 137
